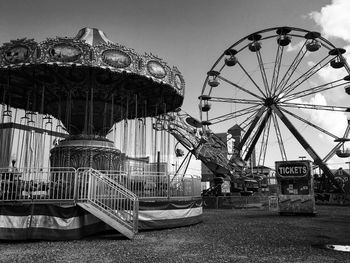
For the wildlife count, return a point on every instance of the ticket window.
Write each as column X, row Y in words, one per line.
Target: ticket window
column 295, row 187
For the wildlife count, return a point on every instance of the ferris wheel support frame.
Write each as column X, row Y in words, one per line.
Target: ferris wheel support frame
column 251, row 128
column 257, row 136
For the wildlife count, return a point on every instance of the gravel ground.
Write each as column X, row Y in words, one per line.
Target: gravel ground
column 224, row 236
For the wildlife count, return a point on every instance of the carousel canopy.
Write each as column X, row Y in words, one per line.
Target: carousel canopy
column 87, row 81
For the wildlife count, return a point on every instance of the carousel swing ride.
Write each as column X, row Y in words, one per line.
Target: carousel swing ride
column 100, row 108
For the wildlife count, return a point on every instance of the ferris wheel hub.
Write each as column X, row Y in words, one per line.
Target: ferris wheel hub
column 269, row 101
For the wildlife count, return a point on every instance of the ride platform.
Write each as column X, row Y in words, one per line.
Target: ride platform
column 72, row 204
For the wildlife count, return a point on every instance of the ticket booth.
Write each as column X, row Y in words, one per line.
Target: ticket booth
column 295, row 187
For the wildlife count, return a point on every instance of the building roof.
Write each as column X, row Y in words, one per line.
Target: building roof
column 235, row 128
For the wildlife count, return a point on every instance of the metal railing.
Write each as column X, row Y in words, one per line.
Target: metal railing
column 157, row 185
column 67, row 185
column 109, row 197
column 40, row 185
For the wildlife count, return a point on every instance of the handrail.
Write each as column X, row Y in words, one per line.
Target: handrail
column 112, row 199
column 114, row 183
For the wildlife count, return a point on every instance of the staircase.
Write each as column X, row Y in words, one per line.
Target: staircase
column 109, row 201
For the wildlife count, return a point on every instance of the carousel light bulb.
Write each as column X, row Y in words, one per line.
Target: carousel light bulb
column 158, row 125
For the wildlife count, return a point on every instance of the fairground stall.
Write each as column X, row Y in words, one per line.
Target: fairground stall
column 83, row 144
column 295, row 187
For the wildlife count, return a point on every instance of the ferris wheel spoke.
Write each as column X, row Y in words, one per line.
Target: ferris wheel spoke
column 308, row 74
column 239, row 87
column 314, row 90
column 339, row 144
column 263, row 72
column 264, row 143
column 251, row 127
column 245, row 123
column 276, row 68
column 232, row 100
column 257, row 135
column 310, row 123
column 233, row 115
column 290, row 71
column 251, row 79
column 251, row 137
column 279, row 137
column 314, row 106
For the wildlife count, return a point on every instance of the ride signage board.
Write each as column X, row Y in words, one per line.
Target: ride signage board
column 293, row 169
column 295, row 187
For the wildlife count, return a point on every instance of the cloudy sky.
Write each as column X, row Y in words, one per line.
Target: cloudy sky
column 189, row 34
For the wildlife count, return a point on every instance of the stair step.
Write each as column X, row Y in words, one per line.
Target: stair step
column 108, row 218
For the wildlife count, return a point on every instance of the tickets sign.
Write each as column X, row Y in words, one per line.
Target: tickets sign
column 293, row 168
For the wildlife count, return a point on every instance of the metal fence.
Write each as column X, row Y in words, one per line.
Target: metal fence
column 37, row 184
column 157, row 185
column 68, row 184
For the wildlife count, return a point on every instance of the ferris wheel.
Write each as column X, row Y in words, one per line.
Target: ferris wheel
column 284, row 88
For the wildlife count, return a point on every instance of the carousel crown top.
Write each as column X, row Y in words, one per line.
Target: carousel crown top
column 87, row 81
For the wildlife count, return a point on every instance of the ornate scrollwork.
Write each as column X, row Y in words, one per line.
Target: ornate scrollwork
column 71, row 67
column 67, row 51
column 64, row 51
column 18, row 52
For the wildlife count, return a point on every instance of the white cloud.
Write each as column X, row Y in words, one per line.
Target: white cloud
column 296, row 47
column 329, row 74
column 332, row 121
column 334, row 22
column 334, row 19
column 311, row 63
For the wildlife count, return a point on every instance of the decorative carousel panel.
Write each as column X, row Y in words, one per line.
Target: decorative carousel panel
column 18, row 52
column 65, row 50
column 178, row 80
column 116, row 58
column 156, row 69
